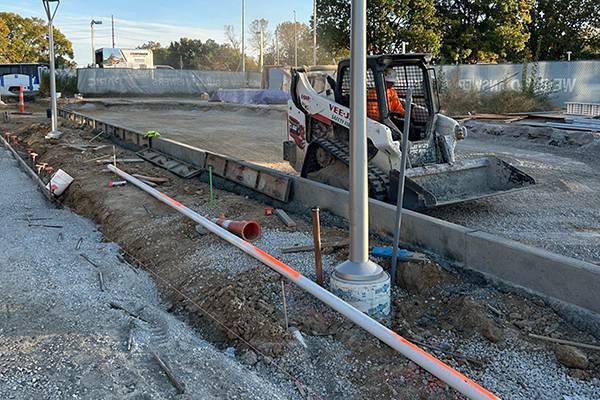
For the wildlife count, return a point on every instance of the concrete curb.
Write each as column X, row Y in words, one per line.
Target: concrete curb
column 537, row 271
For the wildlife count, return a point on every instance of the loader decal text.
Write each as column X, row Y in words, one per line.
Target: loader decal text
column 339, row 115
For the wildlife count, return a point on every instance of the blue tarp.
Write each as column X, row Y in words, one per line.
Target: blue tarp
column 251, row 96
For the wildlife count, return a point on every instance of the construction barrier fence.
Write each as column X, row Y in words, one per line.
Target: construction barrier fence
column 566, row 81
column 148, row 82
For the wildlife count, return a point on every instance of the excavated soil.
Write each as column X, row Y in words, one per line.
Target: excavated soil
column 235, row 302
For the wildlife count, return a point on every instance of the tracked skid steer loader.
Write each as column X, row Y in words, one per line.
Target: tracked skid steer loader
column 318, row 137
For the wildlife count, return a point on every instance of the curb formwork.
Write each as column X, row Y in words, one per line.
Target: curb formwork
column 537, row 271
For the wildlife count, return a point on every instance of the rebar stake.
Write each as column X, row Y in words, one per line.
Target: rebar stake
column 316, row 220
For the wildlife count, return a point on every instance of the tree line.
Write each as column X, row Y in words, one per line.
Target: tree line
column 467, row 31
column 453, row 31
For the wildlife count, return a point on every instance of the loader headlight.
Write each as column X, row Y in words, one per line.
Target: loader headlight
column 460, row 132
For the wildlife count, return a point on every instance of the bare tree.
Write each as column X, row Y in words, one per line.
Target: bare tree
column 255, row 27
column 232, row 37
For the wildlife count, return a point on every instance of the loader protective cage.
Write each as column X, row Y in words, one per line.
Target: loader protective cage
column 411, row 72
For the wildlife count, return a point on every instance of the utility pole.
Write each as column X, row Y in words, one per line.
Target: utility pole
column 93, row 41
column 262, row 52
column 314, row 32
column 112, row 20
column 295, row 42
column 243, row 44
column 359, row 280
column 54, row 133
column 277, row 45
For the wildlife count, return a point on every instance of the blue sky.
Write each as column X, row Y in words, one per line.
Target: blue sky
column 164, row 21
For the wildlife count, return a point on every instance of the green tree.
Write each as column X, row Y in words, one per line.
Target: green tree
column 195, row 54
column 3, row 42
column 389, row 23
column 485, row 30
column 160, row 54
column 558, row 26
column 25, row 40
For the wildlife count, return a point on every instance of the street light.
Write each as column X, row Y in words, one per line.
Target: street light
column 54, row 133
column 243, row 41
column 359, row 280
column 314, row 32
column 295, row 42
column 93, row 45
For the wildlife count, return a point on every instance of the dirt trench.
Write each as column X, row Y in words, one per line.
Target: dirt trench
column 234, row 301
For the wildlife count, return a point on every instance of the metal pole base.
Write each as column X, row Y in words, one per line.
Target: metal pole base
column 54, row 134
column 369, row 296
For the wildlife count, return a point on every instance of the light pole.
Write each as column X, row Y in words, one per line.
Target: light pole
column 93, row 42
column 261, row 55
column 359, row 280
column 243, row 44
column 112, row 23
column 277, row 44
column 295, row 42
column 314, row 32
column 54, row 133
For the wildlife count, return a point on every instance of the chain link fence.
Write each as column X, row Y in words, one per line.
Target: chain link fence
column 149, row 82
column 565, row 81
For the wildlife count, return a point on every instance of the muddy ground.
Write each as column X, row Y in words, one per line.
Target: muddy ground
column 560, row 213
column 235, row 302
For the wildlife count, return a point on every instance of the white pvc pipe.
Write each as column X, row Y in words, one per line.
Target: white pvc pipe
column 431, row 364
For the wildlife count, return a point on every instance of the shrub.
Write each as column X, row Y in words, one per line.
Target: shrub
column 66, row 83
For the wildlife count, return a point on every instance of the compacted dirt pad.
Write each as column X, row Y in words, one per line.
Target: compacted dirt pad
column 236, row 303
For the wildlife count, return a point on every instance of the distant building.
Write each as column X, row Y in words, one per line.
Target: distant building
column 124, row 58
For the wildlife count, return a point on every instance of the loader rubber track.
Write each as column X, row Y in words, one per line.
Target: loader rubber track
column 378, row 180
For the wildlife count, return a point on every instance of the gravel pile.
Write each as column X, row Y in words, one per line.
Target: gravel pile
column 61, row 338
column 559, row 213
column 520, row 370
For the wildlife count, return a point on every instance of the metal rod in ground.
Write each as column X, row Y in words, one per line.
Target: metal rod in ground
column 285, row 314
column 316, row 220
column 130, row 334
column 172, row 378
column 400, row 199
column 101, row 280
column 414, row 353
column 210, row 186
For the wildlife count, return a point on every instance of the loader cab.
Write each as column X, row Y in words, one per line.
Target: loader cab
column 411, row 72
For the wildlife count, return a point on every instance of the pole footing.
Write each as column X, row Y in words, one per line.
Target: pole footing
column 54, row 134
column 369, row 296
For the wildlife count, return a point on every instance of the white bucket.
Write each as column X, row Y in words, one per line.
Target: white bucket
column 59, row 182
